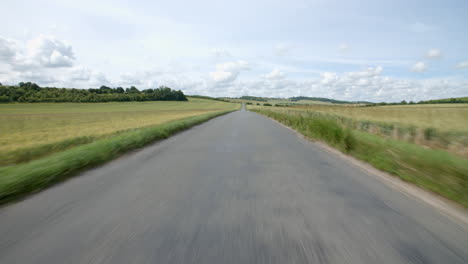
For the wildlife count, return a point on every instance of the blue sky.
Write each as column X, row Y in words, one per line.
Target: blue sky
column 352, row 50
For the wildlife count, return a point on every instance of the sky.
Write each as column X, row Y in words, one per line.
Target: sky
column 348, row 50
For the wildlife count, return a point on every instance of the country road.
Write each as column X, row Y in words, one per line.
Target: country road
column 237, row 189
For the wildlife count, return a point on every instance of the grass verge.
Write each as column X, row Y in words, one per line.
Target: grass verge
column 19, row 180
column 435, row 170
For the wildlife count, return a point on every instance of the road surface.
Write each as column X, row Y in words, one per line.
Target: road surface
column 237, row 189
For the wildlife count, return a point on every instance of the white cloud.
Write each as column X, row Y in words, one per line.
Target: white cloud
column 419, row 67
column 233, row 66
column 227, row 72
column 51, row 52
column 462, row 65
column 41, row 52
column 35, row 76
column 79, row 74
column 328, row 77
column 434, row 53
column 369, row 72
column 274, row 75
column 420, row 27
column 98, row 78
column 7, row 49
column 220, row 53
column 129, row 79
column 224, row 76
column 344, row 47
column 283, row 49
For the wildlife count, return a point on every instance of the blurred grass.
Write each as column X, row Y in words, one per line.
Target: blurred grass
column 22, row 179
column 439, row 171
column 30, row 131
column 444, row 117
column 436, row 126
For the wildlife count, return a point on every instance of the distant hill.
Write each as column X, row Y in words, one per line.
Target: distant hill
column 254, row 98
column 207, row 97
column 321, row 99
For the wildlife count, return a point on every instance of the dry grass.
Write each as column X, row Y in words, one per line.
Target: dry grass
column 26, row 126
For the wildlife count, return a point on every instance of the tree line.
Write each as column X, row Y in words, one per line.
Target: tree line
column 461, row 100
column 32, row 93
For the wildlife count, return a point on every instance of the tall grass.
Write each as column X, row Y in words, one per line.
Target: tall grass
column 22, row 179
column 450, row 140
column 436, row 170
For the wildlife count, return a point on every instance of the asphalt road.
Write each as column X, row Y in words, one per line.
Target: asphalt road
column 237, row 189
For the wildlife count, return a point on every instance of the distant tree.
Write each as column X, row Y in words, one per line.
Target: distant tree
column 119, row 90
column 31, row 92
column 29, row 86
column 403, row 102
column 104, row 89
column 132, row 89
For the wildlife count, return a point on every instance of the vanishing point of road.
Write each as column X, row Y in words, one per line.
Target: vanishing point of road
column 237, row 189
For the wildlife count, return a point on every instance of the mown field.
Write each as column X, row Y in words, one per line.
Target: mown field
column 397, row 139
column 41, row 144
column 33, row 130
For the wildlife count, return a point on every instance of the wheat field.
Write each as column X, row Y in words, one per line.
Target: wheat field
column 27, row 126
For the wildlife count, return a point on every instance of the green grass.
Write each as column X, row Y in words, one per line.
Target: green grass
column 31, row 131
column 19, row 180
column 435, row 170
column 435, row 126
column 444, row 117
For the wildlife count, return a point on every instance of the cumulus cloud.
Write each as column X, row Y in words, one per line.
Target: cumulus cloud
column 273, row 75
column 7, row 50
column 419, row 67
column 434, row 53
column 227, row 72
column 79, row 74
column 223, row 76
column 462, row 65
column 370, row 85
column 50, row 52
column 41, row 52
column 130, row 79
column 35, row 76
column 328, row 77
column 98, row 79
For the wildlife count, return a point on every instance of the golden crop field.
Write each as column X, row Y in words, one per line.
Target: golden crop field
column 444, row 117
column 24, row 126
